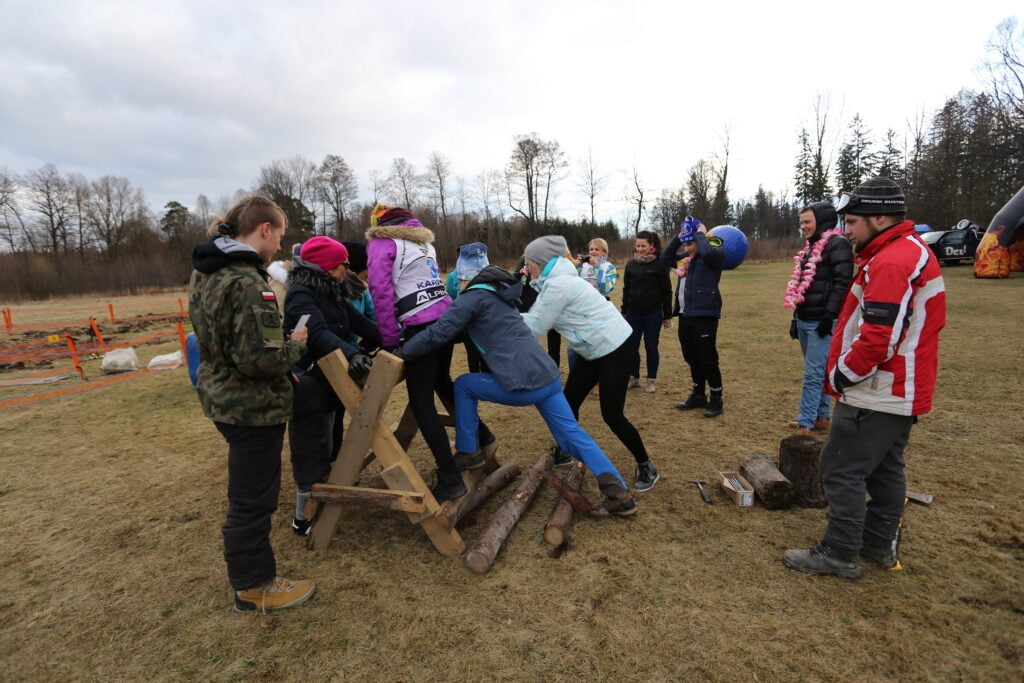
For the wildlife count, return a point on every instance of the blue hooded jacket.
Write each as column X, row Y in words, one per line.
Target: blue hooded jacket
column 701, row 297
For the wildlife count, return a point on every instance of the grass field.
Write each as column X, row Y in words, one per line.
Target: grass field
column 111, row 568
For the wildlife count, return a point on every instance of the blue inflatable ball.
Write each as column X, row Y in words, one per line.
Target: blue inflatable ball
column 733, row 241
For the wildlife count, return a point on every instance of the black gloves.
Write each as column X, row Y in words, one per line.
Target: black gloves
column 793, row 334
column 825, row 327
column 359, row 366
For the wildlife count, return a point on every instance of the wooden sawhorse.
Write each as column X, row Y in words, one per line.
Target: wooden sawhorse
column 367, row 438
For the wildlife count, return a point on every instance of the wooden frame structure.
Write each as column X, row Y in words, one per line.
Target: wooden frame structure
column 368, row 438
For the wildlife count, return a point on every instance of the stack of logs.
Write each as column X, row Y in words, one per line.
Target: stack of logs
column 796, row 478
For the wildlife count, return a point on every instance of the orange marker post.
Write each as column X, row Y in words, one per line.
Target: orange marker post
column 110, row 308
column 181, row 307
column 8, row 320
column 74, row 354
column 96, row 332
column 184, row 342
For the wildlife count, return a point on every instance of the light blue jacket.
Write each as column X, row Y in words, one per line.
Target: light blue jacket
column 591, row 324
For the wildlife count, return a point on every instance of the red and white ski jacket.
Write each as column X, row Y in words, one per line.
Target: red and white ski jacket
column 885, row 348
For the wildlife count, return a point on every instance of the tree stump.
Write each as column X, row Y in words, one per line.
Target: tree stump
column 800, row 462
column 774, row 490
column 481, row 556
column 556, row 531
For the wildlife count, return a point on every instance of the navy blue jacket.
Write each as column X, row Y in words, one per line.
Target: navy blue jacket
column 332, row 319
column 486, row 310
column 701, row 296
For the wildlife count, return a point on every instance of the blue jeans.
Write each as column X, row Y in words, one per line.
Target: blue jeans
column 814, row 402
column 647, row 326
column 550, row 403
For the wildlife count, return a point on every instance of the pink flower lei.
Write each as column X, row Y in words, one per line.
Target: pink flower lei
column 802, row 278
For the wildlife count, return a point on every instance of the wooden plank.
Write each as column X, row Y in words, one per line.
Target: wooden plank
column 402, row 501
column 436, row 524
column 365, row 406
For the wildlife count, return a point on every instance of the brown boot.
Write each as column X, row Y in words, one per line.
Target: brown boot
column 822, row 424
column 278, row 593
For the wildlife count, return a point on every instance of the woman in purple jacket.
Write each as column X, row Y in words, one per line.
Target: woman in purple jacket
column 408, row 296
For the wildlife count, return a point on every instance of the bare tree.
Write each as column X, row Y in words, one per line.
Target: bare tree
column 337, row 188
column 403, row 183
column 439, row 169
column 49, row 196
column 554, row 166
column 379, row 184
column 462, row 195
column 635, row 195
column 522, row 174
column 203, row 210
column 13, row 230
column 720, row 202
column 1005, row 68
column 591, row 180
column 117, row 212
column 292, row 177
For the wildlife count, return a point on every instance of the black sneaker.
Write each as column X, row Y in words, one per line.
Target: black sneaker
column 301, row 526
column 693, row 402
column 822, row 560
column 714, row 408
column 561, row 458
column 885, row 558
column 470, row 461
column 646, row 476
column 448, row 486
column 621, row 505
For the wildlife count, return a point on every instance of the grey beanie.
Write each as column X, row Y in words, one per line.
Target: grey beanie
column 543, row 249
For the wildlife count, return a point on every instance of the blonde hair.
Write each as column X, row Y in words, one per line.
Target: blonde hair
column 244, row 217
column 600, row 243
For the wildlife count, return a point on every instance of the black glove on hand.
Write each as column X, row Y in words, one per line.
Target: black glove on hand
column 825, row 327
column 359, row 366
column 793, row 334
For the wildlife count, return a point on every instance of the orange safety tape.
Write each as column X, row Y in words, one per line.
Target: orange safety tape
column 68, row 391
column 91, row 347
column 44, row 326
column 39, row 375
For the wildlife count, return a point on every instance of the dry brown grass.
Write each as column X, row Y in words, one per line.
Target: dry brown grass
column 111, row 564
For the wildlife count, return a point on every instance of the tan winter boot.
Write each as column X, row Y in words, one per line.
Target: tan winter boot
column 278, row 593
column 650, row 388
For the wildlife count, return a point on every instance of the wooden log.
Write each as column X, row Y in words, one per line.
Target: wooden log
column 575, row 498
column 481, row 556
column 774, row 490
column 800, row 462
column 491, row 484
column 556, row 531
column 402, row 501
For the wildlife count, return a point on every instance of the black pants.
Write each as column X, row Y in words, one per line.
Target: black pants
column 611, row 374
column 424, row 377
column 698, row 337
column 555, row 347
column 864, row 453
column 254, row 482
column 315, row 431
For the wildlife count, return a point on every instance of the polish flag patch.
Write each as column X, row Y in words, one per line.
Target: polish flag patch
column 269, row 296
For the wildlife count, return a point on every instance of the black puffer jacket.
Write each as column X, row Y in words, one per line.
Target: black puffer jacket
column 824, row 297
column 331, row 317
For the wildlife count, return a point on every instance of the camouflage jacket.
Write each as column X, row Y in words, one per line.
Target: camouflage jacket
column 244, row 360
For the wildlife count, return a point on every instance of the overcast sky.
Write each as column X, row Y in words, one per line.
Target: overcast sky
column 186, row 98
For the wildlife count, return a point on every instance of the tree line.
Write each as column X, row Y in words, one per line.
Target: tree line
column 63, row 233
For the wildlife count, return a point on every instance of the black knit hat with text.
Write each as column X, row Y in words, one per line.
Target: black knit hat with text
column 875, row 197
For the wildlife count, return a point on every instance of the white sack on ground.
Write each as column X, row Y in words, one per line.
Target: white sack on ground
column 120, row 360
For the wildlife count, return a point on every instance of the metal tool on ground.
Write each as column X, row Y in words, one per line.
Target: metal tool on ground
column 703, row 493
column 920, row 498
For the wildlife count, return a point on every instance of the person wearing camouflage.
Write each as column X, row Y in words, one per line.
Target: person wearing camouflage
column 244, row 387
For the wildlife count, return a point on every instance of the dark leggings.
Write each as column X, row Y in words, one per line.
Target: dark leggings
column 648, row 326
column 611, row 374
column 555, row 347
column 424, row 377
column 698, row 337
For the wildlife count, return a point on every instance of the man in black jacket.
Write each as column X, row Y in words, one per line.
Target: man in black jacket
column 821, row 276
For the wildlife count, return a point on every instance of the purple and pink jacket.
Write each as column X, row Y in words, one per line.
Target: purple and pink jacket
column 382, row 250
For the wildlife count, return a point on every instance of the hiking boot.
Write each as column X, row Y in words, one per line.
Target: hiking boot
column 650, row 388
column 561, row 458
column 823, row 424
column 301, row 526
column 470, row 461
column 714, row 408
column 693, row 402
column 885, row 558
column 449, row 486
column 278, row 593
column 822, row 560
column 646, row 476
column 634, row 382
column 621, row 505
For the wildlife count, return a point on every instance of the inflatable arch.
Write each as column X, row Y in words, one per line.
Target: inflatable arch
column 1002, row 246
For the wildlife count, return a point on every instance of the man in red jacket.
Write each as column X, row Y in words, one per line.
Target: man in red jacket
column 881, row 366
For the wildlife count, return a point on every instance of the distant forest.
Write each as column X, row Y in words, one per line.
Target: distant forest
column 63, row 233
